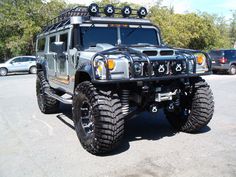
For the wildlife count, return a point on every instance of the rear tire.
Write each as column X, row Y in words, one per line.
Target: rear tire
column 197, row 113
column 3, row 71
column 33, row 70
column 232, row 70
column 47, row 104
column 98, row 118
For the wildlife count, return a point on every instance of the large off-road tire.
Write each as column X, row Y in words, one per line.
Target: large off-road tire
column 196, row 109
column 3, row 71
column 47, row 104
column 232, row 70
column 98, row 118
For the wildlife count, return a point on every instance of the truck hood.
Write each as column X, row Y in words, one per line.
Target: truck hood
column 150, row 51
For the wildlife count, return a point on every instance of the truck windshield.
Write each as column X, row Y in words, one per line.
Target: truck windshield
column 131, row 36
column 90, row 36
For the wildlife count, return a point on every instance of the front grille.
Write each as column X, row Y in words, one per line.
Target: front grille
column 150, row 53
column 162, row 68
column 166, row 52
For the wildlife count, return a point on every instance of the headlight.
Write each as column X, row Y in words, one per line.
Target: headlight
column 201, row 63
column 99, row 69
column 138, row 68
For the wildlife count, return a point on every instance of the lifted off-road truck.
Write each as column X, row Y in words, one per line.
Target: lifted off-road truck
column 110, row 64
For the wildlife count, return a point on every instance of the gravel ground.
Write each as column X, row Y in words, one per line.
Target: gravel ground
column 33, row 144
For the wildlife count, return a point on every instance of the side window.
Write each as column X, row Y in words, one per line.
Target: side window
column 25, row 59
column 64, row 38
column 51, row 40
column 17, row 60
column 32, row 59
column 41, row 44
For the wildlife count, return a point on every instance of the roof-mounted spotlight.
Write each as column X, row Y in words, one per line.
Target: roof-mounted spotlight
column 126, row 11
column 109, row 10
column 93, row 9
column 142, row 12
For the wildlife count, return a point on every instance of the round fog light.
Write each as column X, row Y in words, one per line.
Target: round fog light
column 138, row 68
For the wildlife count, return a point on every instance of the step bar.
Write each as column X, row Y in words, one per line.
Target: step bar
column 59, row 98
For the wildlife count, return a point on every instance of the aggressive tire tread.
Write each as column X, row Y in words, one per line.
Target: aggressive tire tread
column 47, row 104
column 202, row 109
column 108, row 118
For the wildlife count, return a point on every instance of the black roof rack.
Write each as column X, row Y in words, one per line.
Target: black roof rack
column 86, row 11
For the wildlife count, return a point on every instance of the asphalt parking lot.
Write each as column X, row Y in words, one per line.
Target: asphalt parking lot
column 36, row 145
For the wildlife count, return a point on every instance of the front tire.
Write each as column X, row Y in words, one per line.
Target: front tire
column 196, row 109
column 3, row 71
column 47, row 104
column 98, row 119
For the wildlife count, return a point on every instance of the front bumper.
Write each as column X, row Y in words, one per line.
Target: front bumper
column 188, row 66
column 150, row 79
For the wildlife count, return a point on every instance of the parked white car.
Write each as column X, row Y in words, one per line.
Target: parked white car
column 19, row 64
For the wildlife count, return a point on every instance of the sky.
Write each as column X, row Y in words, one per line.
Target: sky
column 220, row 7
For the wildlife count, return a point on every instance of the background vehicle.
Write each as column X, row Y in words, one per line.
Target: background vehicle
column 223, row 60
column 19, row 64
column 113, row 68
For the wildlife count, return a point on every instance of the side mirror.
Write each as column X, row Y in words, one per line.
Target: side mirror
column 57, row 47
column 12, row 62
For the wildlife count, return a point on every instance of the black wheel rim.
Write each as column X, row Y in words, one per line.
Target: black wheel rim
column 86, row 117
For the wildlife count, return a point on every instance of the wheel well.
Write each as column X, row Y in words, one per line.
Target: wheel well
column 81, row 76
column 32, row 66
column 4, row 68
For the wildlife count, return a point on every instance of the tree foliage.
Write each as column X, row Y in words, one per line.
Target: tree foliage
column 21, row 20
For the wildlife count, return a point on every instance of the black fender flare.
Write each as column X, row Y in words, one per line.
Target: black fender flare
column 83, row 73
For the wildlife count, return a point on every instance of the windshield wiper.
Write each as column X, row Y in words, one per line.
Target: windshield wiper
column 131, row 32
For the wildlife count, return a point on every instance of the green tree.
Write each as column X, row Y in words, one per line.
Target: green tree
column 232, row 31
column 20, row 21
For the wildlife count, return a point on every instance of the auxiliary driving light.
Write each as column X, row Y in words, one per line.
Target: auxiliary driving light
column 160, row 68
column 142, row 12
column 177, row 67
column 93, row 9
column 109, row 10
column 126, row 11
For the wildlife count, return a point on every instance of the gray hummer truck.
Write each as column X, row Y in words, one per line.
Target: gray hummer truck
column 111, row 64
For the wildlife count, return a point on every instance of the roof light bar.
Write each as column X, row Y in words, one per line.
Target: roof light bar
column 109, row 10
column 126, row 11
column 142, row 12
column 93, row 9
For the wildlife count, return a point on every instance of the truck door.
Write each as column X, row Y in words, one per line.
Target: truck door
column 62, row 61
column 51, row 58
